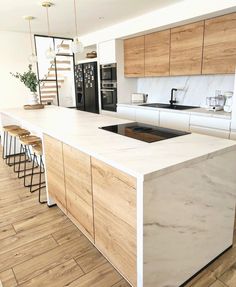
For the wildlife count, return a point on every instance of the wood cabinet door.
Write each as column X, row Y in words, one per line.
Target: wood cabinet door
column 79, row 189
column 186, row 49
column 134, row 57
column 219, row 55
column 157, row 54
column 115, row 217
column 55, row 170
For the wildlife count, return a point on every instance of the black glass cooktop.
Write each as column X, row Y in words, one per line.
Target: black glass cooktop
column 144, row 132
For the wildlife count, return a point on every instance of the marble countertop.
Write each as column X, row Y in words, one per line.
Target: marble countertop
column 197, row 111
column 140, row 159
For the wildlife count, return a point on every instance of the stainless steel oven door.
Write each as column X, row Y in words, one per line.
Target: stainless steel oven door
column 109, row 99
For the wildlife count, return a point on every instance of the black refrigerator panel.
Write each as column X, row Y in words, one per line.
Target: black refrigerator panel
column 79, row 87
column 90, row 87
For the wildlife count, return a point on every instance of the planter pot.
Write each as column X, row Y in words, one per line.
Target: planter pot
column 33, row 99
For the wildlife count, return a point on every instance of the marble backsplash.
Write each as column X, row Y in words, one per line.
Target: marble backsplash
column 195, row 88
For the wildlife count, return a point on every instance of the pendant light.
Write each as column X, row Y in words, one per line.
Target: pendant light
column 49, row 53
column 32, row 58
column 77, row 45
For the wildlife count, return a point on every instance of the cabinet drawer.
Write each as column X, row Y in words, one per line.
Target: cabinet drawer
column 126, row 113
column 210, row 132
column 172, row 120
column 210, row 122
column 147, row 116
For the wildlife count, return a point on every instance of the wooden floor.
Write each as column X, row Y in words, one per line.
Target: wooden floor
column 40, row 247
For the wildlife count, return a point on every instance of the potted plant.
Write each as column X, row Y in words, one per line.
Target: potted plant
column 29, row 79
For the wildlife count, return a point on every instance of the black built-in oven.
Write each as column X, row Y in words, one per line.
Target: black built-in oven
column 109, row 96
column 108, row 72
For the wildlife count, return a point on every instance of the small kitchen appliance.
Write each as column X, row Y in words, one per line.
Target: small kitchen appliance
column 228, row 102
column 138, row 98
column 215, row 103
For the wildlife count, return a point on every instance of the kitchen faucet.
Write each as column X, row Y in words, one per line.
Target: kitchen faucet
column 172, row 101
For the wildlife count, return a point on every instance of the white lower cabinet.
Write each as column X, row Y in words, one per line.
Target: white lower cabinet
column 210, row 122
column 210, row 132
column 126, row 113
column 233, row 135
column 172, row 120
column 148, row 116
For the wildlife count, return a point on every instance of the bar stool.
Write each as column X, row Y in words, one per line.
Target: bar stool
column 38, row 152
column 6, row 129
column 16, row 133
column 25, row 143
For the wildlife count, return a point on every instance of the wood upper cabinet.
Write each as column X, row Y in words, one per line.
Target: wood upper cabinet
column 186, row 49
column 157, row 54
column 134, row 57
column 79, row 189
column 115, row 217
column 219, row 54
column 55, row 170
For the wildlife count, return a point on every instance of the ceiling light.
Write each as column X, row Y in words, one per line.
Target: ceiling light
column 32, row 58
column 77, row 45
column 50, row 52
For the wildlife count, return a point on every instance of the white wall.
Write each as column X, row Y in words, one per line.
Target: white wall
column 177, row 14
column 195, row 88
column 14, row 53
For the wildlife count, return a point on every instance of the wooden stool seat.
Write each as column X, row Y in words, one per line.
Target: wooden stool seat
column 10, row 127
column 38, row 149
column 30, row 140
column 19, row 132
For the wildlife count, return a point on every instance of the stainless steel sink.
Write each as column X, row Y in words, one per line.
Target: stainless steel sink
column 168, row 106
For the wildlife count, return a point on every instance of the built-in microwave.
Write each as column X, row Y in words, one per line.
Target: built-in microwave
column 108, row 72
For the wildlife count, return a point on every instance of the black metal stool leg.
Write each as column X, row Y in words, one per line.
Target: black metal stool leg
column 6, row 147
column 9, row 153
column 3, row 145
column 40, row 180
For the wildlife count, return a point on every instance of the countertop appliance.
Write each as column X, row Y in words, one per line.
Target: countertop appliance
column 108, row 87
column 215, row 103
column 86, row 84
column 144, row 132
column 137, row 98
column 228, row 101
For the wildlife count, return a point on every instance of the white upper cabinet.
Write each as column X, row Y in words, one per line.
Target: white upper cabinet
column 107, row 52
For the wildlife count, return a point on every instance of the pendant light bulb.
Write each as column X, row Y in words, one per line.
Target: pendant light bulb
column 33, row 59
column 77, row 46
column 50, row 54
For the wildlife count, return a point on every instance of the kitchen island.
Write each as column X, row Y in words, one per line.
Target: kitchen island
column 159, row 212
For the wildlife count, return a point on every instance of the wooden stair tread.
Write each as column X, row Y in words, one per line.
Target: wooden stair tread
column 64, row 46
column 50, row 87
column 61, row 62
column 60, row 69
column 49, row 92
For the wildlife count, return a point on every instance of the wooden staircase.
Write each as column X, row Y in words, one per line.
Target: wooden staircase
column 49, row 89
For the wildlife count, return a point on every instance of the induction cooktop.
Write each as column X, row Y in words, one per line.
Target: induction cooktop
column 144, row 132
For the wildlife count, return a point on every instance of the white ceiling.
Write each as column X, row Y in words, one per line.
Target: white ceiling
column 62, row 17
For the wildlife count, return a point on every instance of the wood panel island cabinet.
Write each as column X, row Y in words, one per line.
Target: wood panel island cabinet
column 159, row 212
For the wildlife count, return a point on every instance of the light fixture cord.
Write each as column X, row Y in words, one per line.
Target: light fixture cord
column 49, row 33
column 76, row 24
column 31, row 41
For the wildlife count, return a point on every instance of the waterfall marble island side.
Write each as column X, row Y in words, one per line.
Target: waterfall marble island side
column 158, row 212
